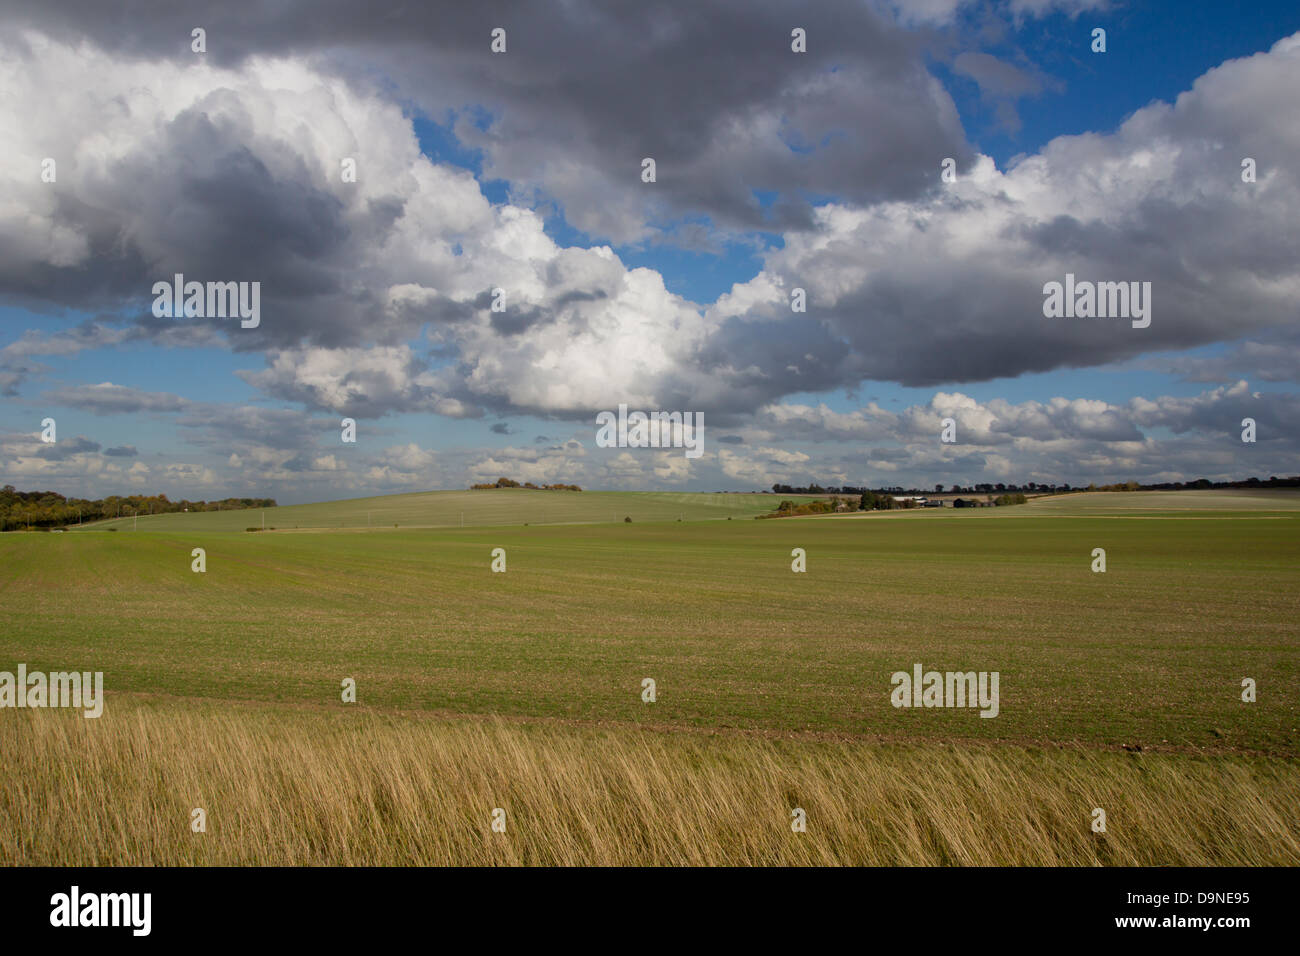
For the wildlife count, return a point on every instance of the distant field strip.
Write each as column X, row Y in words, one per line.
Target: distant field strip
column 448, row 509
column 1219, row 500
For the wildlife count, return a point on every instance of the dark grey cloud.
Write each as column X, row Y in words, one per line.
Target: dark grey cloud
column 1001, row 83
column 68, row 447
column 91, row 334
column 996, row 77
column 223, row 428
column 1273, row 358
column 949, row 289
column 712, row 91
column 211, row 210
column 515, row 320
column 109, row 399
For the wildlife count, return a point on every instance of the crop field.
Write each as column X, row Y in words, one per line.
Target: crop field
column 524, row 689
column 448, row 509
column 1224, row 502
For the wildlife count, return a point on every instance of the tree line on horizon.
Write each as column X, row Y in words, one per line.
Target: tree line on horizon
column 1037, row 488
column 49, row 509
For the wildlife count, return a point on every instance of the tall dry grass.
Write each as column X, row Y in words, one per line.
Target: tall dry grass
column 283, row 786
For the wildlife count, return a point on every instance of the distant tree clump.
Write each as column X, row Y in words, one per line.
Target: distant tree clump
column 819, row 507
column 499, row 483
column 511, row 483
column 870, row 501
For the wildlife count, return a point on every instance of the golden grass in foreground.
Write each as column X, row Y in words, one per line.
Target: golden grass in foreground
column 284, row 786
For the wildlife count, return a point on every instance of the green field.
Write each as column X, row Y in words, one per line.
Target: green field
column 451, row 509
column 1152, row 652
column 1199, row 593
column 1227, row 502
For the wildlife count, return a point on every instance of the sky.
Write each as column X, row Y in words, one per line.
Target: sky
column 457, row 248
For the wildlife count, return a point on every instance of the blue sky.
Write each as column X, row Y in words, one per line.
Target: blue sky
column 402, row 340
